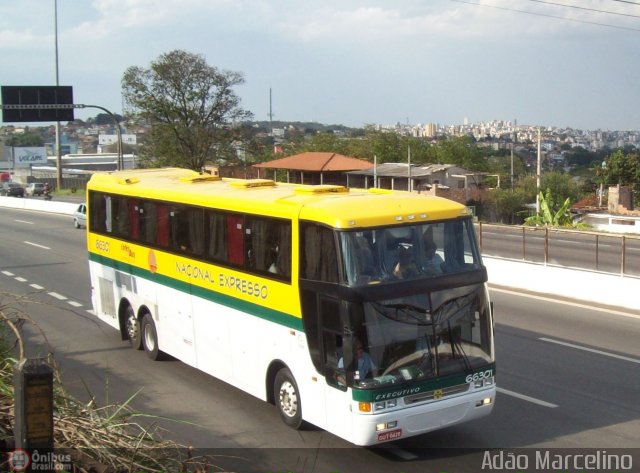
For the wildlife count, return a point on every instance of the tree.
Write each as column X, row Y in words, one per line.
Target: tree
column 106, row 119
column 503, row 205
column 191, row 107
column 28, row 138
column 562, row 186
column 623, row 169
column 462, row 151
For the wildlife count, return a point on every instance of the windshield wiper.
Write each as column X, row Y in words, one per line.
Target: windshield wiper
column 456, row 349
column 451, row 307
column 392, row 311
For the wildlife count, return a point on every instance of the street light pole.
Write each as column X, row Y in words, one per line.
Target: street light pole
column 58, row 153
column 118, row 131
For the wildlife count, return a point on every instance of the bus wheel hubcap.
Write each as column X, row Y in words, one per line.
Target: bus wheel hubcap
column 148, row 339
column 288, row 399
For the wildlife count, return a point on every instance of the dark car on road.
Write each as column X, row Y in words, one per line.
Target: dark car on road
column 12, row 189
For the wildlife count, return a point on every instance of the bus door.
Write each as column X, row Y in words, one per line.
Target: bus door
column 322, row 314
column 337, row 401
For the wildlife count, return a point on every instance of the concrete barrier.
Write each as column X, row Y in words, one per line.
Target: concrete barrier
column 38, row 204
column 588, row 287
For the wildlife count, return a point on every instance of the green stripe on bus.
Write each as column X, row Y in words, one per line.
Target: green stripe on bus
column 276, row 316
column 374, row 395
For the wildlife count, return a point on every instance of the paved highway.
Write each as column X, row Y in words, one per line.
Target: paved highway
column 567, row 375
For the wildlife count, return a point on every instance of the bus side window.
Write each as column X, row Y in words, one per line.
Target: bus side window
column 162, row 233
column 148, row 222
column 268, row 245
column 235, row 239
column 134, row 217
column 283, row 247
column 98, row 204
column 120, row 216
column 179, row 229
column 216, row 230
column 318, row 256
column 187, row 233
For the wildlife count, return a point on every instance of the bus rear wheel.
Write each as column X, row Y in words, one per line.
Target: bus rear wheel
column 287, row 398
column 132, row 328
column 150, row 338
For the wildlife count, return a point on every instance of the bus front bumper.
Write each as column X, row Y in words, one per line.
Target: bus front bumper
column 375, row 429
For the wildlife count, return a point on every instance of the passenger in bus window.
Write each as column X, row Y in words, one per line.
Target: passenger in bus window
column 273, row 257
column 433, row 261
column 366, row 367
column 405, row 268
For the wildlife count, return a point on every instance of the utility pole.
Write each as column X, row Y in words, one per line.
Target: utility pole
column 58, row 153
column 270, row 115
column 409, row 183
column 512, row 166
column 375, row 171
column 538, row 177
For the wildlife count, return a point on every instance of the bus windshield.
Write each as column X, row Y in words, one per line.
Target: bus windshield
column 434, row 321
column 425, row 336
column 409, row 251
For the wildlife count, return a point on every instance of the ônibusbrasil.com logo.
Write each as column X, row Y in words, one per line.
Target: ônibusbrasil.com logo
column 20, row 460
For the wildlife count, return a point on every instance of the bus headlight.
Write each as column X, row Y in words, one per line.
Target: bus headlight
column 484, row 382
column 382, row 405
column 386, row 425
column 483, row 402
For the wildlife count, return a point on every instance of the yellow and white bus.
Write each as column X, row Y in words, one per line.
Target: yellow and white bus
column 363, row 312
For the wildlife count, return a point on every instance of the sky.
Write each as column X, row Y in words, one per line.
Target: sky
column 351, row 62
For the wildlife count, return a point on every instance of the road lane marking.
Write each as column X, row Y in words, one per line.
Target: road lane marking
column 559, row 301
column 24, row 221
column 527, row 398
column 57, row 296
column 19, row 279
column 74, row 303
column 8, row 273
column 591, row 350
column 36, row 286
column 35, row 244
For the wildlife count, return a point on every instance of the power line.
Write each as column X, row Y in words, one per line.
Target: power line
column 585, row 8
column 547, row 15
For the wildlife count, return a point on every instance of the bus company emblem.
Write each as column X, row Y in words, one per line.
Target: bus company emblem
column 153, row 264
column 128, row 251
column 437, row 394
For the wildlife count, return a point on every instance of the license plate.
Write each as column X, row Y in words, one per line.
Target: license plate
column 391, row 435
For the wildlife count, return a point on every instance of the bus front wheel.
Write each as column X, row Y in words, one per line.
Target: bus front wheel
column 287, row 397
column 132, row 327
column 150, row 338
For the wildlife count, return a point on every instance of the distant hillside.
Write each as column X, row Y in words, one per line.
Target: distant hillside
column 306, row 126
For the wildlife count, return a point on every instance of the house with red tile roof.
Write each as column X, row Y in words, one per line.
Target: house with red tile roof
column 313, row 168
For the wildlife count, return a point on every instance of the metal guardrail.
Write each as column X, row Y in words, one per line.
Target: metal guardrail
column 588, row 250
